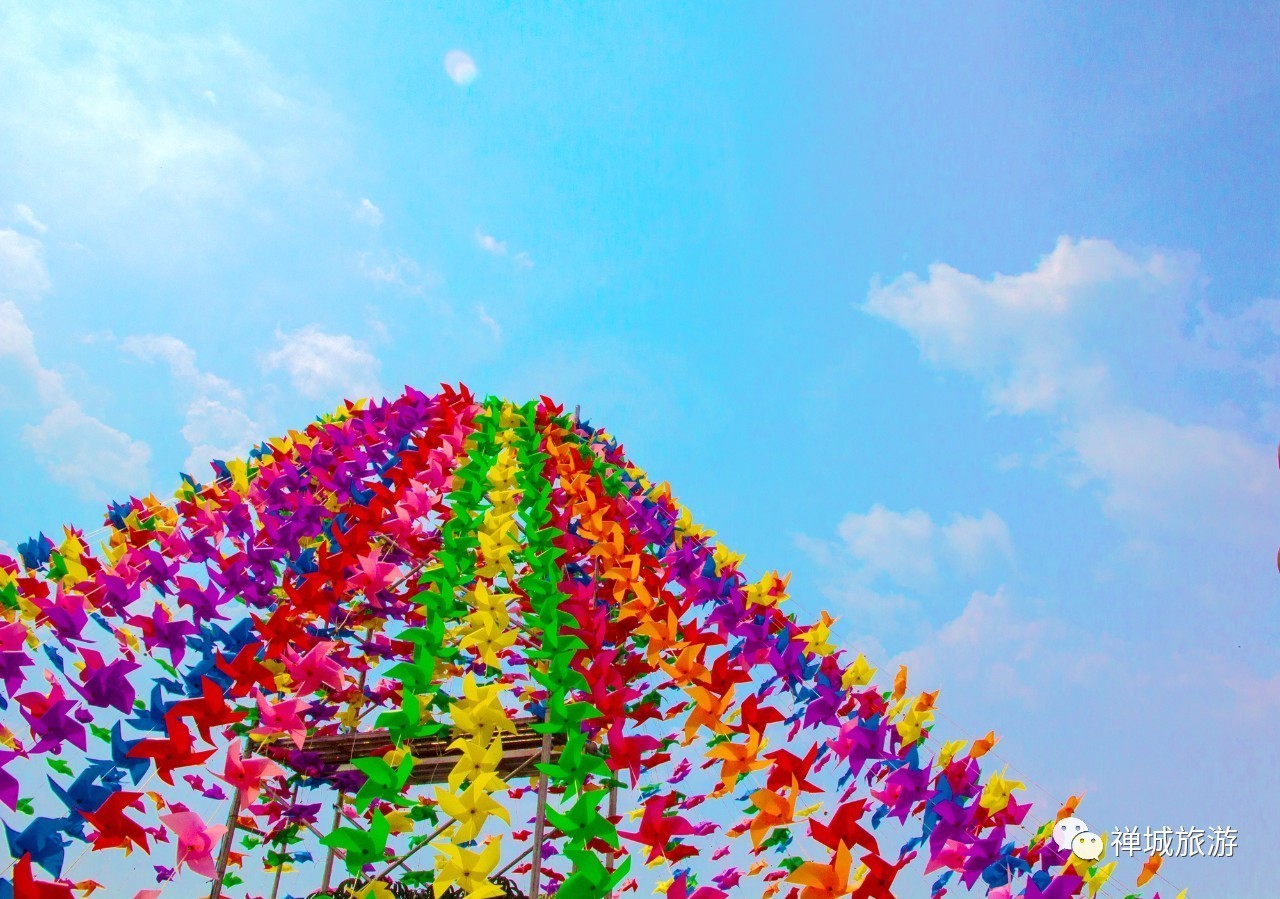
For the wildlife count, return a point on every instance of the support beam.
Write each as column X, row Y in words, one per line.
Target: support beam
column 328, row 858
column 224, row 853
column 337, row 806
column 539, row 824
column 613, row 813
column 275, row 884
column 396, row 863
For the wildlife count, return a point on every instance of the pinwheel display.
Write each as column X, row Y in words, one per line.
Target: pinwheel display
column 460, row 647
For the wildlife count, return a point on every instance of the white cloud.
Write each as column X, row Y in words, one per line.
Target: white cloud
column 22, row 271
column 398, row 270
column 1047, row 338
column 460, row 67
column 1093, row 337
column 325, row 366
column 22, row 213
column 490, row 244
column 216, row 430
column 216, row 425
column 495, row 247
column 900, row 544
column 489, row 322
column 80, row 450
column 908, row 546
column 117, row 130
column 1164, row 476
column 972, row 542
column 71, row 444
column 368, row 213
column 181, row 360
column 1246, row 342
column 1005, row 639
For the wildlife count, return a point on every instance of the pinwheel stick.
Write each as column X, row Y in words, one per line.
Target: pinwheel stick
column 540, row 822
column 613, row 813
column 337, row 806
column 275, row 884
column 224, row 852
column 328, row 859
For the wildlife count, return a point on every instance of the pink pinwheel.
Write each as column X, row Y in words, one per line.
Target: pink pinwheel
column 196, row 841
column 373, row 575
column 281, row 718
column 318, row 667
column 13, row 636
column 247, row 775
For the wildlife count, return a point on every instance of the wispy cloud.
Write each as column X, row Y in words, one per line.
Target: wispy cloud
column 1088, row 339
column 394, row 269
column 216, row 424
column 324, row 366
column 368, row 213
column 22, row 214
column 489, row 321
column 910, row 548
column 495, row 247
column 22, row 265
column 121, row 125
column 74, row 446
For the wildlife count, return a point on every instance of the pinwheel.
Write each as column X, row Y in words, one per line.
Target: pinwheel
column 42, row 841
column 114, row 827
column 246, row 775
column 25, row 886
column 468, row 870
column 444, row 614
column 362, row 847
column 196, row 841
column 824, row 881
column 472, row 807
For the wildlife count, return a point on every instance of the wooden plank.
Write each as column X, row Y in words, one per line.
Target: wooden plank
column 326, row 756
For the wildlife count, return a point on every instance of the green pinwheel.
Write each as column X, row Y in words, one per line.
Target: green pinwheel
column 362, row 847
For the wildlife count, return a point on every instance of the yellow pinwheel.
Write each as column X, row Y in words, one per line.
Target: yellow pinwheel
column 472, row 807
column 477, row 759
column 995, row 795
column 858, row 674
column 468, row 870
column 480, row 712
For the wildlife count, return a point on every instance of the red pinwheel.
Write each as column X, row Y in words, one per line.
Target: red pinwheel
column 114, row 827
column 171, row 752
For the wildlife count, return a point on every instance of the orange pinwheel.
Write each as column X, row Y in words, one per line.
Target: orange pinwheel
column 821, row 881
column 1150, row 868
column 688, row 667
column 775, row 810
column 708, row 711
column 738, row 759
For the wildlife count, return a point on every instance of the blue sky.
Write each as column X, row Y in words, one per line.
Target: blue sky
column 965, row 316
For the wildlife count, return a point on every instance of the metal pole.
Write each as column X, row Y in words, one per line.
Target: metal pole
column 540, row 822
column 613, row 813
column 435, row 833
column 515, row 861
